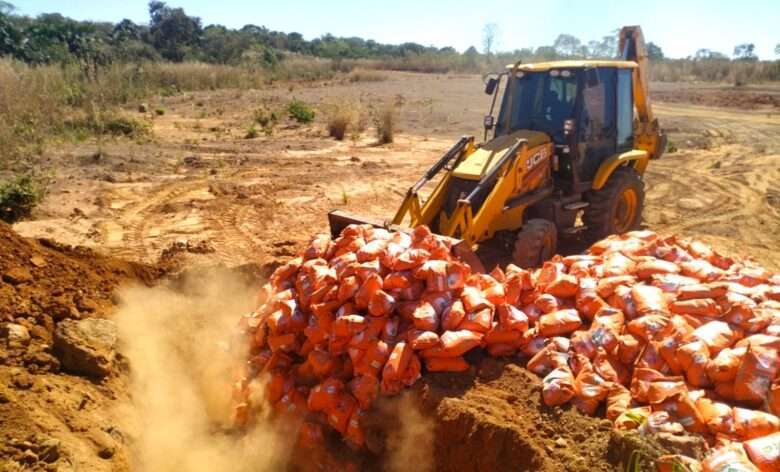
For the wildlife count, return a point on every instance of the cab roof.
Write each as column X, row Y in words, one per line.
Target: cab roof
column 543, row 66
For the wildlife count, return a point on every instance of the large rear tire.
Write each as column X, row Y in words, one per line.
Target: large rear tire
column 617, row 207
column 536, row 242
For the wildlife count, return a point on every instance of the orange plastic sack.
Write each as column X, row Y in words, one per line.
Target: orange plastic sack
column 629, row 348
column 589, row 390
column 381, row 304
column 452, row 317
column 310, row 436
column 548, row 303
column 694, row 358
column 425, row 317
column 688, row 415
column 774, row 399
column 398, row 280
column 420, row 340
column 371, row 284
column 623, row 300
column 501, row 350
column 457, row 343
column 696, row 307
column 632, row 418
column 618, row 400
column 754, row 376
column 562, row 286
column 660, row 390
column 700, row 269
column 365, row 388
column 325, row 396
column 354, row 434
column 559, row 323
column 412, row 372
column 321, row 362
column 718, row 416
column 607, row 285
column 339, row 415
column 511, row 318
column 649, row 300
column 749, row 424
column 473, row 299
column 480, row 321
column 717, row 335
column 730, row 458
column 660, row 422
column 711, row 290
column 446, row 364
column 764, row 452
column 558, row 387
column 499, row 335
column 397, row 362
column 587, row 301
column 724, row 366
column 647, row 268
column 373, row 361
column 618, row 264
column 648, row 327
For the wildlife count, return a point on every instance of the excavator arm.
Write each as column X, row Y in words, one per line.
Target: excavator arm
column 648, row 133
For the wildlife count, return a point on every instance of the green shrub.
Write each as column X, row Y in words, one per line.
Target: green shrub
column 159, row 111
column 251, row 133
column 671, row 147
column 345, row 116
column 300, row 111
column 19, row 196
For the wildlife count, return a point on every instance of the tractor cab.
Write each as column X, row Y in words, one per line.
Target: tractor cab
column 584, row 107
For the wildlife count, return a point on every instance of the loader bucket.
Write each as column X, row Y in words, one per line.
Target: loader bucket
column 339, row 220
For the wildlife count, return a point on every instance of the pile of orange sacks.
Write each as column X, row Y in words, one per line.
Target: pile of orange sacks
column 669, row 334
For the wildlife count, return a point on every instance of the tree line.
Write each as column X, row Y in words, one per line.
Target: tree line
column 173, row 35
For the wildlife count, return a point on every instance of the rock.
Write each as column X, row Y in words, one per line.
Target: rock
column 49, row 450
column 690, row 204
column 38, row 261
column 143, row 108
column 86, row 347
column 560, row 442
column 23, row 380
column 17, row 276
column 15, row 335
column 104, row 443
column 29, row 457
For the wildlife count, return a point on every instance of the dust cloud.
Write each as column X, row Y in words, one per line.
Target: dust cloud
column 180, row 382
column 410, row 446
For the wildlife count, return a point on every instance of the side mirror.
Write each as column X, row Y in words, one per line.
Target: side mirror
column 490, row 86
column 488, row 122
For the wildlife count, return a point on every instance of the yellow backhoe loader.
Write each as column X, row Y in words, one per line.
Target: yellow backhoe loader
column 569, row 149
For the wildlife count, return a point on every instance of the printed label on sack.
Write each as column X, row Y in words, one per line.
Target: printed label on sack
column 376, row 364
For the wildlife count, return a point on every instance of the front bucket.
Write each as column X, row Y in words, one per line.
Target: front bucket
column 339, row 220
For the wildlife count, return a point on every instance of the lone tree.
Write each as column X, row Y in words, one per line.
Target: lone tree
column 744, row 52
column 489, row 37
column 567, row 45
column 654, row 51
column 173, row 32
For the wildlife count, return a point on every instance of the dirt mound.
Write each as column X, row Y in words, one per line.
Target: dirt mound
column 728, row 98
column 43, row 282
column 53, row 421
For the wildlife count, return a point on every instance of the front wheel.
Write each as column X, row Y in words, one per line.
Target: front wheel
column 617, row 207
column 536, row 242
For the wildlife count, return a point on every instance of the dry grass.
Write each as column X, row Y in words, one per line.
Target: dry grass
column 385, row 120
column 365, row 75
column 345, row 118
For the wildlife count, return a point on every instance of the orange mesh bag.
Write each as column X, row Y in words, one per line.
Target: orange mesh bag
column 457, row 343
column 558, row 387
column 729, row 458
column 696, row 307
column 718, row 416
column 754, row 376
column 446, row 364
column 749, row 424
column 724, row 366
column 480, row 321
column 339, row 415
column 453, row 316
column 325, row 396
column 607, row 285
column 717, row 335
column 365, row 388
column 632, row 418
column 560, row 322
column 419, row 340
column 618, row 400
column 764, row 452
column 647, row 268
column 649, row 300
column 373, row 361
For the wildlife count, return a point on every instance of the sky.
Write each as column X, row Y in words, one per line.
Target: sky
column 680, row 27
